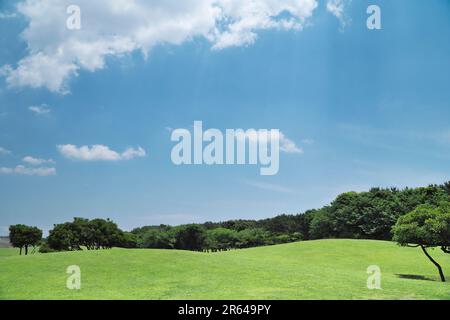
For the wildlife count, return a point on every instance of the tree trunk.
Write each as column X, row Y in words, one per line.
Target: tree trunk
column 26, row 250
column 20, row 252
column 441, row 274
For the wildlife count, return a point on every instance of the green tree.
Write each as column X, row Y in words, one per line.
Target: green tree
column 128, row 240
column 190, row 237
column 157, row 239
column 440, row 225
column 221, row 239
column 253, row 238
column 93, row 234
column 426, row 227
column 106, row 233
column 22, row 236
column 321, row 225
column 446, row 187
column 85, row 232
column 64, row 237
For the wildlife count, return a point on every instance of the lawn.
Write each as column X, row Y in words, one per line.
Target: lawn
column 325, row 269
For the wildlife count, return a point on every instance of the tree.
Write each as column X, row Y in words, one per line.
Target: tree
column 128, row 240
column 253, row 238
column 85, row 232
column 190, row 237
column 371, row 215
column 64, row 237
column 426, row 227
column 321, row 225
column 220, row 239
column 440, row 225
column 106, row 233
column 157, row 239
column 446, row 187
column 22, row 236
column 283, row 224
column 93, row 234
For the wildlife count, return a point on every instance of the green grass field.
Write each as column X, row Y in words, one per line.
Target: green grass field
column 326, row 269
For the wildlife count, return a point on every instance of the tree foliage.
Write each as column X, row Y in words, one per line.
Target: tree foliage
column 426, row 227
column 90, row 234
column 22, row 236
column 190, row 237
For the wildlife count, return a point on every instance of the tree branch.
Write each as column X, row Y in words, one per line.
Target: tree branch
column 445, row 249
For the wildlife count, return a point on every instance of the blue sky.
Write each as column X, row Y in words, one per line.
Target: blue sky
column 367, row 107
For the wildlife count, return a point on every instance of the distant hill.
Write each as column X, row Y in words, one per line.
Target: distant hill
column 4, row 242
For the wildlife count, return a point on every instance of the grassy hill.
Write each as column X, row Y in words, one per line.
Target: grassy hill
column 325, row 269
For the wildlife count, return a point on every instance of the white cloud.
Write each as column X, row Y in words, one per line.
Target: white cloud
column 244, row 18
column 21, row 170
column 36, row 161
column 337, row 8
column 98, row 153
column 115, row 28
column 4, row 152
column 131, row 153
column 40, row 110
column 286, row 144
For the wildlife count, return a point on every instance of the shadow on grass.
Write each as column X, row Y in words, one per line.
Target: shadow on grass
column 414, row 277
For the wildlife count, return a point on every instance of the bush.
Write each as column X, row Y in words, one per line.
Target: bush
column 45, row 248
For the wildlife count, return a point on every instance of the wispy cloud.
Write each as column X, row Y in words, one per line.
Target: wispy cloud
column 98, row 153
column 289, row 146
column 337, row 8
column 4, row 152
column 36, row 161
column 40, row 110
column 22, row 170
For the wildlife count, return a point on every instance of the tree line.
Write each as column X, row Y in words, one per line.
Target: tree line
column 352, row 215
column 374, row 214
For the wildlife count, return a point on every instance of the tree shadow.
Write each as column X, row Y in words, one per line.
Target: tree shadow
column 414, row 277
